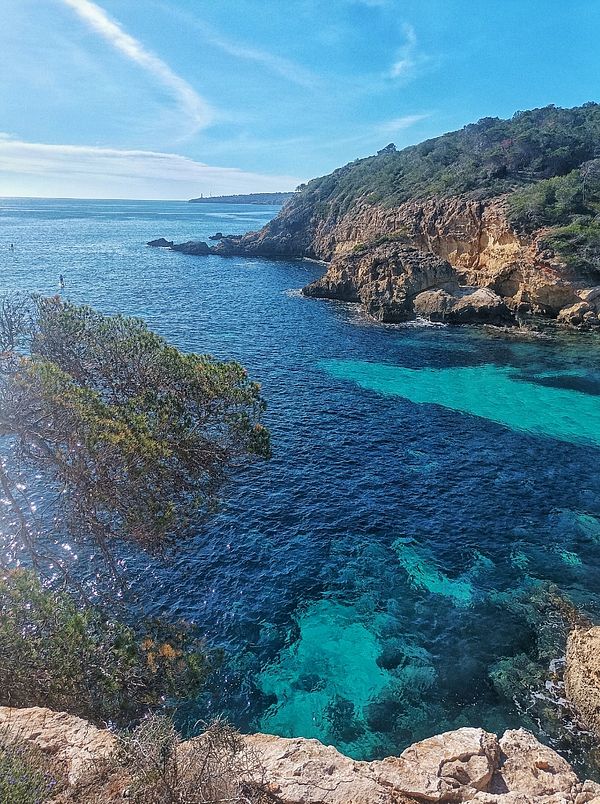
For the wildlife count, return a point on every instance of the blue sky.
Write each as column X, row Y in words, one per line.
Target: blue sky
column 173, row 98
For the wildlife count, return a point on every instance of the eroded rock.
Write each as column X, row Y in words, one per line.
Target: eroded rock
column 464, row 765
column 471, row 306
column 582, row 674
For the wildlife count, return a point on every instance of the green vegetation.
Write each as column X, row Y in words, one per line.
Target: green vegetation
column 483, row 159
column 570, row 206
column 58, row 653
column 545, row 160
column 133, row 436
column 27, row 776
column 131, row 441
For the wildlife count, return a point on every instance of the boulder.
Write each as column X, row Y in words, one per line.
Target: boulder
column 196, row 247
column 479, row 306
column 160, row 243
column 384, row 277
column 217, row 236
column 580, row 314
column 582, row 674
column 590, row 294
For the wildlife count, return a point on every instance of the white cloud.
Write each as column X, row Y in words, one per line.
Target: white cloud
column 401, row 123
column 30, row 168
column 279, row 65
column 407, row 58
column 194, row 107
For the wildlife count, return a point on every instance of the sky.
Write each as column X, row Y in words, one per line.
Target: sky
column 171, row 99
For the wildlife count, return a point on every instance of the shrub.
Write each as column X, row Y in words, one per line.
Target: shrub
column 26, row 775
column 215, row 767
column 55, row 652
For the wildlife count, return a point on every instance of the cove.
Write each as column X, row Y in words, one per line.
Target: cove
column 488, row 391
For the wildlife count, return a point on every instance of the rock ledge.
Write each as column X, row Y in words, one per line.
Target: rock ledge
column 458, row 766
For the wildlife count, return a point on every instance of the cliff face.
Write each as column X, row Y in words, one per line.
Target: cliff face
column 377, row 252
column 453, row 197
column 464, row 765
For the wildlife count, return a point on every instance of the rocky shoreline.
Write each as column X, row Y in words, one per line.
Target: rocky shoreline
column 453, row 260
column 468, row 764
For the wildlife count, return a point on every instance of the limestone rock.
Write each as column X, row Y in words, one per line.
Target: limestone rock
column 385, row 278
column 574, row 314
column 473, row 236
column 468, row 764
column 473, row 306
column 70, row 739
column 160, row 243
column 530, row 767
column 582, row 674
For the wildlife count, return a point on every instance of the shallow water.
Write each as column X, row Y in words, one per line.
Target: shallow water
column 387, row 574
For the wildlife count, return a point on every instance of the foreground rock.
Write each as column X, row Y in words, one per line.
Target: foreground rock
column 69, row 739
column 582, row 674
column 464, row 765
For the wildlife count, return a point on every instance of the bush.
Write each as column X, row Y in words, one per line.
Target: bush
column 26, row 775
column 214, row 767
column 57, row 653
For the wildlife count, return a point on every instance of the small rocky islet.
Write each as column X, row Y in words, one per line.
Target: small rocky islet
column 484, row 225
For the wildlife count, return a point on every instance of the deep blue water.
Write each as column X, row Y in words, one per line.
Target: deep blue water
column 387, row 574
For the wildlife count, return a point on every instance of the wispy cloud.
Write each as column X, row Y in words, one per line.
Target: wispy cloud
column 198, row 112
column 401, row 123
column 408, row 57
column 279, row 65
column 33, row 168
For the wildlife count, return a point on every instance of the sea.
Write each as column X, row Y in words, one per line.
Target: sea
column 409, row 560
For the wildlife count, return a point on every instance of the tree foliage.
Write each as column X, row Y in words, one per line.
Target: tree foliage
column 133, row 436
column 483, row 159
column 57, row 653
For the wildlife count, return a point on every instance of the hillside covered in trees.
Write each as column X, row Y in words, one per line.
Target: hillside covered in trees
column 484, row 159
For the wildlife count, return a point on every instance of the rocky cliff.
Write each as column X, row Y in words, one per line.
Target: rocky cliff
column 511, row 206
column 454, row 244
column 464, row 765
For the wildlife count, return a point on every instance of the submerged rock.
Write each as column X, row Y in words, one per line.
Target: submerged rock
column 468, row 764
column 582, row 674
column 160, row 243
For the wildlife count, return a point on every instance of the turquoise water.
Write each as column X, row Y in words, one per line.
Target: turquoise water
column 402, row 565
column 493, row 392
